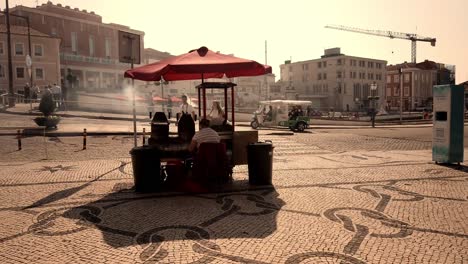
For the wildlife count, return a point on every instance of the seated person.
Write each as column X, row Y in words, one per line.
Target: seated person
column 269, row 114
column 216, row 115
column 293, row 113
column 204, row 135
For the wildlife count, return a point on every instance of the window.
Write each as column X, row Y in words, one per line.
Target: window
column 406, row 90
column 2, row 48
column 324, row 64
column 39, row 74
column 344, row 88
column 370, row 76
column 319, row 76
column 415, row 76
column 357, row 90
column 365, row 90
column 19, row 73
column 354, row 75
column 305, row 67
column 397, row 91
column 91, row 46
column 53, row 31
column 338, row 62
column 324, row 76
column 378, row 76
column 362, row 64
column 319, row 64
column 407, row 77
column 2, row 71
column 389, row 78
column 378, row 65
column 19, row 49
column 396, row 78
column 43, row 20
column 370, row 64
column 38, row 50
column 74, row 42
column 290, row 68
column 338, row 74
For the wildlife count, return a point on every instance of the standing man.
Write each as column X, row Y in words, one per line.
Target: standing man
column 57, row 94
column 169, row 107
column 185, row 108
column 27, row 93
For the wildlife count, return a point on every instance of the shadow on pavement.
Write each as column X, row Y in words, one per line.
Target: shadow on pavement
column 151, row 221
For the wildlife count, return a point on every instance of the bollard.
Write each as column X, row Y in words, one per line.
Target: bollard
column 151, row 115
column 84, row 139
column 144, row 136
column 19, row 139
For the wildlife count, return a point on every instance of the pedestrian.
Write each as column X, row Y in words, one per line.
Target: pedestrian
column 185, row 108
column 36, row 92
column 150, row 102
column 57, row 94
column 169, row 107
column 347, row 108
column 27, row 93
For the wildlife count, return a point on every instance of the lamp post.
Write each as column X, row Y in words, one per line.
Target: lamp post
column 373, row 98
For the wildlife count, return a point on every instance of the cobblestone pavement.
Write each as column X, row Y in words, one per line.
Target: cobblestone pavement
column 331, row 203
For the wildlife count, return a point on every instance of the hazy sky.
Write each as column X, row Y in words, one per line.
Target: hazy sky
column 294, row 28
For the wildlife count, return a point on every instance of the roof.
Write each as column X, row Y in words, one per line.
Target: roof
column 288, row 102
column 464, row 83
column 20, row 30
column 216, row 85
column 425, row 65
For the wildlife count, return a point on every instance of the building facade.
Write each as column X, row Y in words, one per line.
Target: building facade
column 89, row 55
column 335, row 80
column 45, row 67
column 417, row 80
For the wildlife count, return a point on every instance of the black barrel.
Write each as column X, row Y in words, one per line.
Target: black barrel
column 146, row 169
column 260, row 163
column 159, row 127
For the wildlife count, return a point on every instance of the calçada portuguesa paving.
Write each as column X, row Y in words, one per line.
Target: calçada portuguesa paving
column 354, row 205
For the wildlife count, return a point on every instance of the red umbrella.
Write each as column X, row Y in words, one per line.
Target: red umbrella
column 198, row 64
column 159, row 99
column 176, row 99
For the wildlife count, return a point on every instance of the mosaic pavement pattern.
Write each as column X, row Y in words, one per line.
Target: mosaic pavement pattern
column 325, row 207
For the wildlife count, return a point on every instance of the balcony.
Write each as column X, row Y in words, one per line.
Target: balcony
column 86, row 59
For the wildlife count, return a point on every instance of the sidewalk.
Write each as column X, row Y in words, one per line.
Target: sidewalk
column 94, row 128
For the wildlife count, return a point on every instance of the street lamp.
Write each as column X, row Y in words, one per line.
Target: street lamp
column 372, row 99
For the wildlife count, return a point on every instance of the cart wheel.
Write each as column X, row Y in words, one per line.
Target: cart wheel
column 301, row 126
column 254, row 124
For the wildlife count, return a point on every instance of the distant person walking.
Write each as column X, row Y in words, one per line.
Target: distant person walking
column 27, row 93
column 57, row 94
column 169, row 107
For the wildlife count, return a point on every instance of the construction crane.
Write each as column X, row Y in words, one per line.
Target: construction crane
column 389, row 34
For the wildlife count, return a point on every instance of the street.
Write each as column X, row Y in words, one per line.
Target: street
column 338, row 196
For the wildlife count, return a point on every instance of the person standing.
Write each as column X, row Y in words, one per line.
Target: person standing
column 169, row 107
column 27, row 93
column 185, row 108
column 57, row 94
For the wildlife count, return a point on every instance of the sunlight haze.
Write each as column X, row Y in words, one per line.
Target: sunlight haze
column 293, row 29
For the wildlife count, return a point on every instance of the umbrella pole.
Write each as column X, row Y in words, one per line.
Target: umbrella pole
column 204, row 97
column 134, row 113
column 232, row 106
column 225, row 105
column 199, row 103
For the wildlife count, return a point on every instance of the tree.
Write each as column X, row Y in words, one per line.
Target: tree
column 47, row 104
